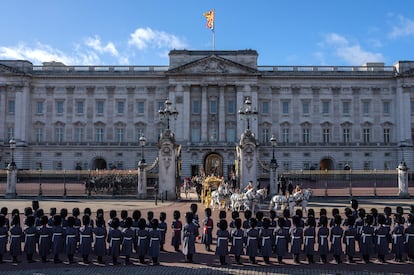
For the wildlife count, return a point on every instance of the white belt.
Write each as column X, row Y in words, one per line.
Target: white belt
column 84, row 236
column 236, row 238
column 141, row 238
column 27, row 236
column 99, row 236
column 334, row 237
column 55, row 234
column 41, row 237
column 407, row 237
column 347, row 238
column 219, row 239
column 3, row 236
column 323, row 237
column 364, row 237
column 264, row 240
column 379, row 238
column 69, row 237
column 279, row 237
column 395, row 237
column 293, row 238
column 307, row 239
column 153, row 239
column 112, row 240
column 250, row 238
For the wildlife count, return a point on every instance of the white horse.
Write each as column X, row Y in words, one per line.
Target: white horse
column 252, row 198
column 278, row 202
column 300, row 198
column 221, row 194
column 236, row 201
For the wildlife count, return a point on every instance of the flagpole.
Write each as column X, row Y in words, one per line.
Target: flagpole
column 214, row 39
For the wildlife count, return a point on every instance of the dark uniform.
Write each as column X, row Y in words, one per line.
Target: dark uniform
column 296, row 239
column 265, row 239
column 142, row 240
column 381, row 238
column 323, row 233
column 154, row 242
column 85, row 239
column 71, row 239
column 309, row 236
column 281, row 240
column 336, row 239
column 223, row 237
column 45, row 239
column 162, row 227
column 397, row 238
column 128, row 237
column 4, row 235
column 409, row 238
column 252, row 245
column 30, row 238
column 100, row 233
column 237, row 235
column 114, row 239
column 177, row 227
column 16, row 238
column 367, row 239
column 189, row 235
column 58, row 238
column 349, row 239
column 207, row 236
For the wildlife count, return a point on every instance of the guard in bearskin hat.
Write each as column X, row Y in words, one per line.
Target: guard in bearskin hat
column 281, row 240
column 397, row 241
column 162, row 226
column 222, row 241
column 207, row 235
column 367, row 243
column 296, row 236
column 336, row 238
column 409, row 238
column 354, row 207
column 57, row 238
column 382, row 237
column 234, row 216
column 29, row 238
column 176, row 227
column 190, row 233
column 349, row 239
column 323, row 233
column 252, row 243
column 237, row 235
column 309, row 235
column 265, row 239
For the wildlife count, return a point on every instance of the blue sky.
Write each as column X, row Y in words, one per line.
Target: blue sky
column 135, row 32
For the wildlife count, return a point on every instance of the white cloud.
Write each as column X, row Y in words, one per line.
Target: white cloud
column 37, row 54
column 351, row 53
column 95, row 43
column 144, row 38
column 403, row 27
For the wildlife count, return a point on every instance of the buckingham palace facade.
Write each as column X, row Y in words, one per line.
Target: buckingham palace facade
column 91, row 117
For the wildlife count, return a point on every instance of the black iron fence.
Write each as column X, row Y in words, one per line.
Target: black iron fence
column 124, row 182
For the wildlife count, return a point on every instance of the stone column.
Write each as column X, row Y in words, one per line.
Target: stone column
column 204, row 114
column 142, row 181
column 403, row 180
column 247, row 156
column 273, row 179
column 11, row 180
column 167, row 155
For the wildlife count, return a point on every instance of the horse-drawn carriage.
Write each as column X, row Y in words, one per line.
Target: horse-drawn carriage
column 209, row 185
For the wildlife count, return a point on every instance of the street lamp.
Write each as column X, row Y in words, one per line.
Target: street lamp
column 247, row 112
column 166, row 113
column 142, row 142
column 273, row 162
column 12, row 144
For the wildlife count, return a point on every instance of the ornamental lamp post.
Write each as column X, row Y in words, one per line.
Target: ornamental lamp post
column 12, row 144
column 273, row 162
column 142, row 142
column 247, row 112
column 166, row 113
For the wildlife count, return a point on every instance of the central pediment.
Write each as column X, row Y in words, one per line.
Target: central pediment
column 213, row 64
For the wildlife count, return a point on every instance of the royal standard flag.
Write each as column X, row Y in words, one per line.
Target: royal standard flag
column 210, row 19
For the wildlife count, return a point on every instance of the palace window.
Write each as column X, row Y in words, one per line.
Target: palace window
column 230, row 134
column 120, row 132
column 285, row 135
column 100, row 107
column 366, row 133
column 79, row 134
column 59, row 134
column 305, row 107
column 11, row 106
column 346, row 135
column 265, row 107
column 326, row 135
column 195, row 134
column 265, row 135
column 59, row 107
column 10, row 133
column 39, row 107
column 285, row 107
column 306, row 135
column 366, row 108
column 386, row 108
column 231, row 107
column 140, row 107
column 39, row 134
column 213, row 106
column 120, row 107
column 195, row 107
column 346, row 107
column 80, row 107
column 387, row 135
column 325, row 107
column 99, row 134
